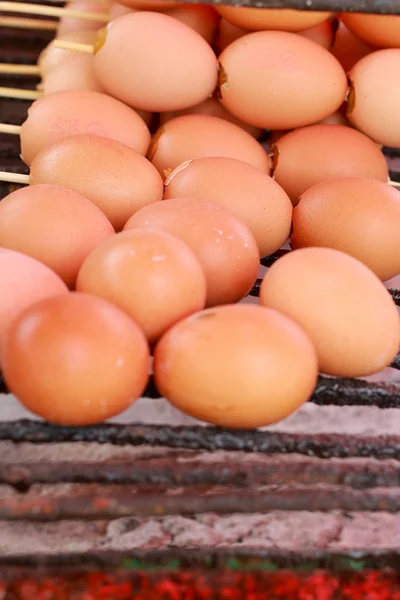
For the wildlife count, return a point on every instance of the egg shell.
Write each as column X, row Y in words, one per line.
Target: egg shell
column 68, row 25
column 118, row 10
column 51, row 57
column 224, row 245
column 213, row 108
column 243, row 190
column 228, row 33
column 57, row 226
column 279, row 80
column 348, row 48
column 342, row 306
column 381, row 31
column 202, row 18
column 261, row 19
column 163, row 54
column 359, row 216
column 373, row 106
column 74, row 112
column 310, row 155
column 75, row 360
column 237, row 366
column 24, row 281
column 154, row 277
column 118, row 180
column 197, row 136
column 321, row 33
column 73, row 74
column 158, row 5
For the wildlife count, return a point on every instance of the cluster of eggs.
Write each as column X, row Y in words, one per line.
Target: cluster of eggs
column 131, row 252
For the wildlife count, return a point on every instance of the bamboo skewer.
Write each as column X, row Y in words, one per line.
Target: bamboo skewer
column 20, row 94
column 394, row 183
column 64, row 45
column 11, row 129
column 21, row 23
column 12, row 69
column 14, row 177
column 51, row 11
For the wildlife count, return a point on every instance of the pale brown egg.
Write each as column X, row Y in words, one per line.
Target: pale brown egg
column 154, row 62
column 381, row 31
column 73, row 74
column 237, row 366
column 200, row 17
column 119, row 10
column 196, row 136
column 75, row 360
column 158, row 5
column 68, row 25
column 213, row 108
column 24, row 280
column 118, row 180
column 228, row 33
column 321, row 33
column 309, row 155
column 348, row 48
column 51, row 57
column 337, row 118
column 261, row 19
column 57, row 226
column 243, row 190
column 74, row 112
column 342, row 306
column 292, row 81
column 154, row 277
column 358, row 216
column 223, row 244
column 373, row 105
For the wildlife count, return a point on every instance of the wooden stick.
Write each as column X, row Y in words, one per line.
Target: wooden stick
column 11, row 129
column 52, row 11
column 394, row 183
column 21, row 23
column 19, row 69
column 20, row 94
column 64, row 45
column 14, row 177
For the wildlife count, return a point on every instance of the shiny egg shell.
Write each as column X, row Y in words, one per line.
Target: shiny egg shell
column 380, row 31
column 261, row 19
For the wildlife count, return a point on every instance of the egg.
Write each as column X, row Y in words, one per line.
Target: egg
column 74, row 112
column 75, row 359
column 118, row 10
column 158, row 5
column 292, row 81
column 154, row 277
column 116, row 178
column 73, row 74
column 24, row 281
column 51, row 57
column 321, row 33
column 200, row 17
column 141, row 53
column 68, row 24
column 224, row 245
column 375, row 97
column 228, row 33
column 342, row 306
column 381, row 31
column 239, row 366
column 310, row 155
column 243, row 190
column 348, row 48
column 359, row 216
column 213, row 108
column 57, row 226
column 196, row 136
column 260, row 19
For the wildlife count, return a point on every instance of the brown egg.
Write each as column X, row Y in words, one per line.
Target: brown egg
column 118, row 10
column 292, row 81
column 260, row 19
column 24, row 281
column 342, row 306
column 337, row 118
column 113, row 176
column 381, row 31
column 375, row 97
column 307, row 156
column 197, row 136
column 158, row 5
column 200, row 17
column 56, row 226
column 236, row 366
column 321, row 33
column 227, row 34
column 213, row 108
column 154, row 277
column 73, row 74
column 69, row 25
column 358, row 216
column 141, row 53
column 74, row 112
column 223, row 244
column 75, row 360
column 348, row 48
column 243, row 190
column 51, row 57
